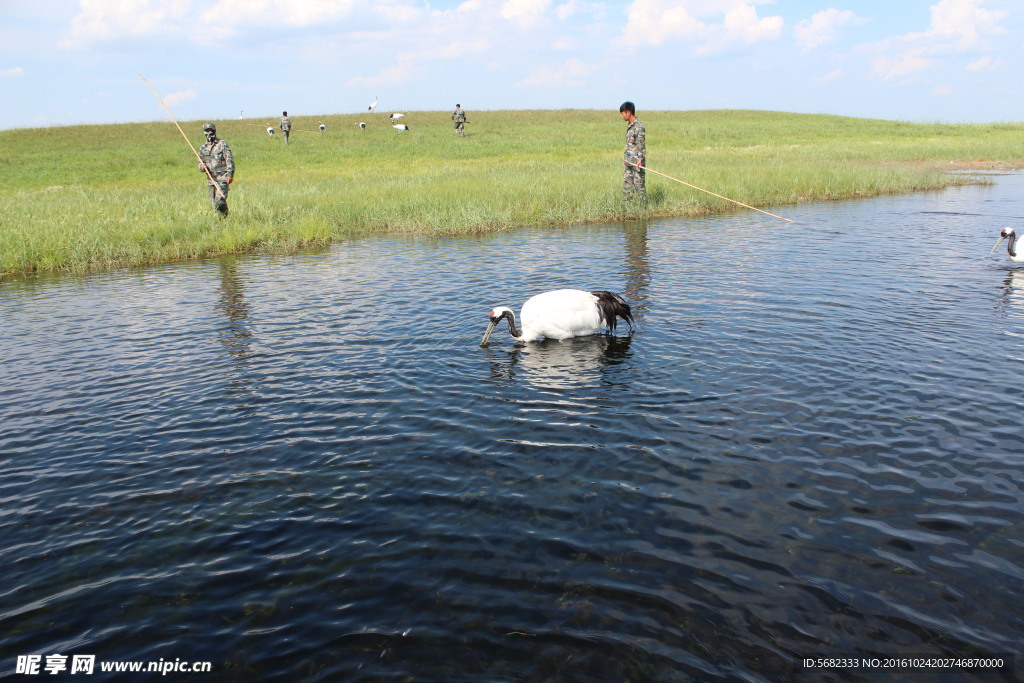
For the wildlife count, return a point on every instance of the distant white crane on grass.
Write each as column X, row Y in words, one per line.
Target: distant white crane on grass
column 395, row 117
column 270, row 130
column 561, row 314
column 240, row 112
column 400, row 126
column 361, row 124
column 1011, row 246
column 374, row 104
column 322, row 127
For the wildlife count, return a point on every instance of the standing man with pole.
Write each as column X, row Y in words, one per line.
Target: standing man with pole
column 634, row 158
column 286, row 125
column 459, row 117
column 216, row 161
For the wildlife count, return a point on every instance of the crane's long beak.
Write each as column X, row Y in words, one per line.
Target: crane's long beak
column 487, row 335
column 998, row 243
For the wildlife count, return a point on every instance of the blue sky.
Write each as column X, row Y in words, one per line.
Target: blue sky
column 78, row 61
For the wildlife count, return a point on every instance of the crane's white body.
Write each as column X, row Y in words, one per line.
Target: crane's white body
column 374, row 105
column 396, row 116
column 400, row 126
column 561, row 314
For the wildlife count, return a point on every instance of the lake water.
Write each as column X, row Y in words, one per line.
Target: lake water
column 306, row 467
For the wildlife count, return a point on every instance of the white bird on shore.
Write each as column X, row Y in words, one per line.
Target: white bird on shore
column 561, row 314
column 400, row 126
column 1011, row 246
column 374, row 104
column 395, row 117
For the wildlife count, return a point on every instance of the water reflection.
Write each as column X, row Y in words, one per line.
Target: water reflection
column 638, row 270
column 553, row 364
column 1012, row 290
column 236, row 335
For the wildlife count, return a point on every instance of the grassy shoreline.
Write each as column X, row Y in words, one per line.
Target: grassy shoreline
column 87, row 198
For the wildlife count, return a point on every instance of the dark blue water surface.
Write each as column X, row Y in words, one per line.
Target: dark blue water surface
column 306, row 467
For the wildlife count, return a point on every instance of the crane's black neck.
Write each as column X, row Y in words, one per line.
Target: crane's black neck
column 510, row 318
column 1011, row 245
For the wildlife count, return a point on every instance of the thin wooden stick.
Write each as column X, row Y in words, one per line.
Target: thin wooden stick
column 712, row 193
column 160, row 99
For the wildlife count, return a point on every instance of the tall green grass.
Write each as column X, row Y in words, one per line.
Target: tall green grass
column 83, row 198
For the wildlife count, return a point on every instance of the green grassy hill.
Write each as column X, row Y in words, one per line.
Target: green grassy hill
column 83, row 198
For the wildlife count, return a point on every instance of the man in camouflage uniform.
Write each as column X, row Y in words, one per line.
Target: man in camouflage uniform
column 286, row 125
column 215, row 157
column 459, row 117
column 633, row 182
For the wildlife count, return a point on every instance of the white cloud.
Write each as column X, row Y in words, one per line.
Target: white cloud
column 103, row 20
column 233, row 13
column 226, row 18
column 525, row 13
column 573, row 73
column 400, row 73
column 566, row 10
column 12, row 73
column 828, row 78
column 823, row 27
column 964, row 23
column 988, row 63
column 654, row 22
column 181, row 96
column 957, row 27
column 458, row 49
column 742, row 24
column 906, row 62
column 573, row 7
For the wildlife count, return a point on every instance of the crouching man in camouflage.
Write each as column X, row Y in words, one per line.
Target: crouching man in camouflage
column 216, row 158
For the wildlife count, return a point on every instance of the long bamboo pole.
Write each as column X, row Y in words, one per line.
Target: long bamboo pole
column 712, row 193
column 210, row 175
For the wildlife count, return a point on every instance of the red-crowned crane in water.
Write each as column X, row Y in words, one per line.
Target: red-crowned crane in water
column 1011, row 246
column 561, row 314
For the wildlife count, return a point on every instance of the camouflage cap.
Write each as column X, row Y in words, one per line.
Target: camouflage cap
column 210, row 126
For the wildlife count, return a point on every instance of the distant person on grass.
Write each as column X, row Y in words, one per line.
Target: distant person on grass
column 459, row 117
column 633, row 182
column 217, row 159
column 286, row 125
